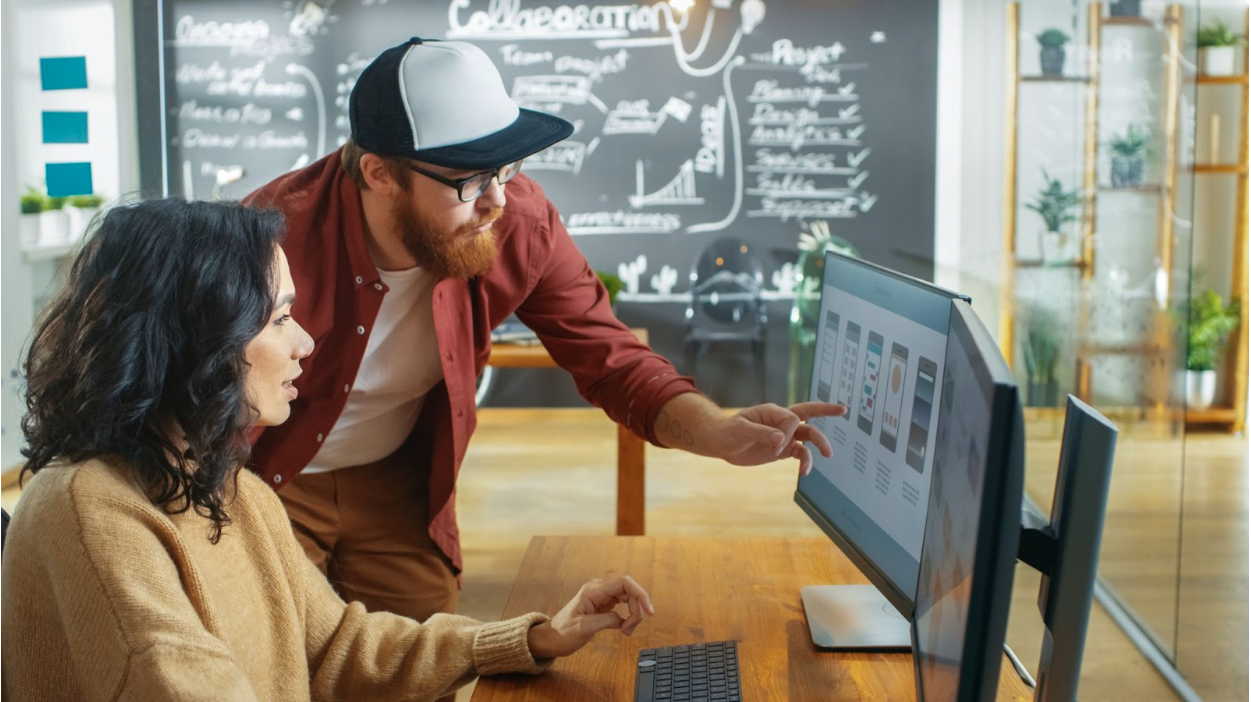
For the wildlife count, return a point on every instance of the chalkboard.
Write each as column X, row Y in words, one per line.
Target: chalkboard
column 738, row 118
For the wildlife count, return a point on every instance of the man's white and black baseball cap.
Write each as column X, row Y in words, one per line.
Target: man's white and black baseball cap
column 444, row 102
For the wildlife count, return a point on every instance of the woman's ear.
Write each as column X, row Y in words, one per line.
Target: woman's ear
column 377, row 176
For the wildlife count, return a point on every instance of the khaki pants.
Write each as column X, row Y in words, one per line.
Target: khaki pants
column 366, row 528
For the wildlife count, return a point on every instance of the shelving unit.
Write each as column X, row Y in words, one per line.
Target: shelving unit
column 1234, row 415
column 1159, row 342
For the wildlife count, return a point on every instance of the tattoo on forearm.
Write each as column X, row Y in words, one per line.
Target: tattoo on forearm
column 674, row 429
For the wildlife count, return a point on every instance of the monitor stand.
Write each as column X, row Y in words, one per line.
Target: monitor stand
column 854, row 617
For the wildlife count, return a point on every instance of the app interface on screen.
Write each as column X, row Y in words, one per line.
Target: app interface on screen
column 889, row 349
column 828, row 351
column 895, row 372
column 868, row 383
column 847, row 374
column 922, row 414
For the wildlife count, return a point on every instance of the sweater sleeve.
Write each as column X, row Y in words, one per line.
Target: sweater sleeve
column 354, row 654
column 101, row 564
column 568, row 309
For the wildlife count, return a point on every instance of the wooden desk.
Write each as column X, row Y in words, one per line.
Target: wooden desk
column 706, row 589
column 631, row 450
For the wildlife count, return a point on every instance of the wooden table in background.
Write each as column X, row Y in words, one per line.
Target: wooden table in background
column 706, row 589
column 631, row 450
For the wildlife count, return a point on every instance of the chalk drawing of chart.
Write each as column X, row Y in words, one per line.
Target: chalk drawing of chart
column 679, row 191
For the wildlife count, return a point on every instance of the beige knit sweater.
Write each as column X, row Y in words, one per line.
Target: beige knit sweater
column 106, row 597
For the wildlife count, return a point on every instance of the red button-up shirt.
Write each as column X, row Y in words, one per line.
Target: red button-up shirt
column 539, row 274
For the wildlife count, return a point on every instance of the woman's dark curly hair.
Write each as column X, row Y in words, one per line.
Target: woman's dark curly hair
column 141, row 356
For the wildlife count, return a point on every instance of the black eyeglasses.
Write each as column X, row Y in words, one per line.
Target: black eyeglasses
column 470, row 188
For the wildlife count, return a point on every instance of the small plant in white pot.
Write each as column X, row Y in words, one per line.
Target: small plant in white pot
column 31, row 205
column 80, row 210
column 1218, row 48
column 1051, row 51
column 1210, row 324
column 1129, row 156
column 53, row 223
column 1056, row 207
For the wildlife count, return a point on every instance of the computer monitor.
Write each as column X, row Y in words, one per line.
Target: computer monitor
column 881, row 344
column 972, row 526
column 1066, row 549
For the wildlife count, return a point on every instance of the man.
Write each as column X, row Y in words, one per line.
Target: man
column 408, row 249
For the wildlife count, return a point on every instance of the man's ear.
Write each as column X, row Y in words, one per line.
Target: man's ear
column 377, row 176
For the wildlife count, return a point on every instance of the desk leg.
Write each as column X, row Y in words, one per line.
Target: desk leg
column 631, row 491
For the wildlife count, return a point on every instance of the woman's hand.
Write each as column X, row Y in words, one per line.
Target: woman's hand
column 588, row 613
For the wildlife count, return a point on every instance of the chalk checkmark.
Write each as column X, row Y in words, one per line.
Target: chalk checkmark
column 866, row 203
column 854, row 183
column 847, row 89
column 855, row 133
column 849, row 112
column 854, row 160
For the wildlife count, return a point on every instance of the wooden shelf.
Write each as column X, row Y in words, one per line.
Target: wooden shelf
column 1211, row 415
column 1221, row 80
column 1120, row 350
column 1054, row 79
column 1120, row 21
column 1039, row 263
column 1155, row 189
column 1239, row 168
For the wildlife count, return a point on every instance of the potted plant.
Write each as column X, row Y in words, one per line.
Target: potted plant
column 1210, row 324
column 1216, row 48
column 80, row 209
column 1129, row 156
column 53, row 224
column 31, row 204
column 815, row 239
column 614, row 284
column 1051, row 51
column 1124, row 8
column 1041, row 349
column 1055, row 205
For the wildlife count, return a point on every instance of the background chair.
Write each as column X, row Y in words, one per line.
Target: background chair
column 727, row 281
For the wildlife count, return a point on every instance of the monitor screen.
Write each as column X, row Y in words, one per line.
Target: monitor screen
column 880, row 349
column 971, row 518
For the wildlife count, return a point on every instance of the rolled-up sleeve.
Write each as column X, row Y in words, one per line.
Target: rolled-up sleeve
column 568, row 308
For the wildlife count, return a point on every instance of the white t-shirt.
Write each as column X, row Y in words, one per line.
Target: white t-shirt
column 400, row 366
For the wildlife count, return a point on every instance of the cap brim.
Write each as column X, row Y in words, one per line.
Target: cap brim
column 529, row 134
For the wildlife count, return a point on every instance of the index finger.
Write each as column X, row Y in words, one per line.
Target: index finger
column 808, row 410
column 623, row 589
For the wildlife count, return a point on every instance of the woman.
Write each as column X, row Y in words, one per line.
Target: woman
column 142, row 562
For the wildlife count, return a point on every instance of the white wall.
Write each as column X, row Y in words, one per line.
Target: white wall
column 100, row 31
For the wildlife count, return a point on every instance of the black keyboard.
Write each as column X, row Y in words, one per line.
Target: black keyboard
column 707, row 672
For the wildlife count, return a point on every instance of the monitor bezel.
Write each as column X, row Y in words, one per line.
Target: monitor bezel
column 901, row 601
column 998, row 523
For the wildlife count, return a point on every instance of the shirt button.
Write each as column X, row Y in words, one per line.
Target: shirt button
column 449, row 355
column 346, row 387
column 360, row 330
column 440, row 294
column 377, row 286
column 320, row 437
column 277, row 478
column 460, row 413
column 359, row 280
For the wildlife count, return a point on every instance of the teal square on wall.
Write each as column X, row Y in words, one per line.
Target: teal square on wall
column 65, row 127
column 65, row 179
column 63, row 72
